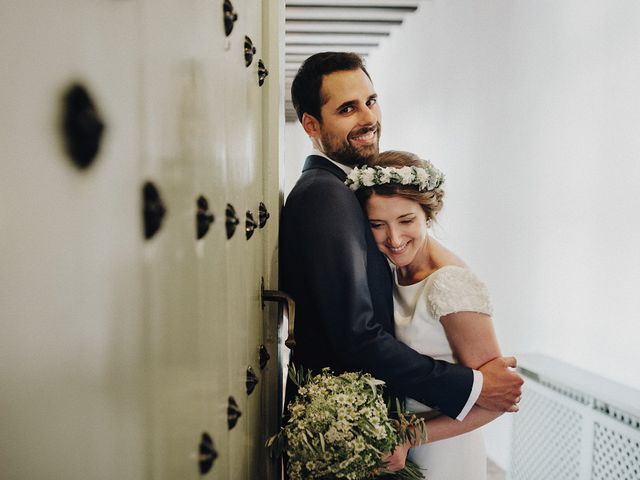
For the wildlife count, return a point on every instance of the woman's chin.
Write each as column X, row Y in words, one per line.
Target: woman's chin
column 396, row 261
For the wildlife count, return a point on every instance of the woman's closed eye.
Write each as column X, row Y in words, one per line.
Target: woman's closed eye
column 375, row 224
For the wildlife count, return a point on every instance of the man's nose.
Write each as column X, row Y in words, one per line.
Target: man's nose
column 368, row 116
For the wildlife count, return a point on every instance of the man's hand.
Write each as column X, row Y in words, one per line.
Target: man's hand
column 396, row 460
column 501, row 387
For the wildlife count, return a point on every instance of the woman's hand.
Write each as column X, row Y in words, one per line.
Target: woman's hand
column 396, row 460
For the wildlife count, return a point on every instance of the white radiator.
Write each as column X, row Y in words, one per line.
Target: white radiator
column 574, row 425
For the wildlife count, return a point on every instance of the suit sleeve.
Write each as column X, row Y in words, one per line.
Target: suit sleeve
column 334, row 249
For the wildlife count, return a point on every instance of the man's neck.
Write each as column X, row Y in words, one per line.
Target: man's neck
column 346, row 169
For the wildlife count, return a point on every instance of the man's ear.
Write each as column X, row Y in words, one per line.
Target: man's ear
column 311, row 125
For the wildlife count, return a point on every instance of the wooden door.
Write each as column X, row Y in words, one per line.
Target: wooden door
column 123, row 342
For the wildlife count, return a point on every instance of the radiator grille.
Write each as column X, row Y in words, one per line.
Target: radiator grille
column 547, row 439
column 616, row 456
column 632, row 420
column 573, row 425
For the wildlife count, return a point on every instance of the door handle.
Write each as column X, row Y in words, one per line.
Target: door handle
column 153, row 209
column 250, row 225
column 249, row 51
column 231, row 221
column 204, row 217
column 262, row 72
column 82, row 126
column 263, row 215
column 230, row 17
column 207, row 453
column 282, row 298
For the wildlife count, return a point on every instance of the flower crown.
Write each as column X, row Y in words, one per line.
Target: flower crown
column 426, row 178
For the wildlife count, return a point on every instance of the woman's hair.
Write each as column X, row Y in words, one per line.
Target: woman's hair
column 430, row 201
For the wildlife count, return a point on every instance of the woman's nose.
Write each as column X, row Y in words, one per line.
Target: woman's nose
column 393, row 237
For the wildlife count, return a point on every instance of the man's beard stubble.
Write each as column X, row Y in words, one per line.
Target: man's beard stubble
column 351, row 156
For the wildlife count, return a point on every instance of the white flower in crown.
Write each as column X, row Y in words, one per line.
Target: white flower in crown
column 384, row 174
column 367, row 177
column 422, row 177
column 436, row 177
column 353, row 179
column 406, row 175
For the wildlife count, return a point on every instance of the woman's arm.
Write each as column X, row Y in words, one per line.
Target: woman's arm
column 471, row 337
column 441, row 427
column 474, row 343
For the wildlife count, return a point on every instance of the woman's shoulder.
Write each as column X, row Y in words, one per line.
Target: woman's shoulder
column 454, row 287
column 452, row 276
column 443, row 256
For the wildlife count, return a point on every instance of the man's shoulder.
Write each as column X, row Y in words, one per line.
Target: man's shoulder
column 320, row 176
column 319, row 184
column 320, row 199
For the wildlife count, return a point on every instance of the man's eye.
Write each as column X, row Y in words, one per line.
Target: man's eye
column 372, row 101
column 348, row 109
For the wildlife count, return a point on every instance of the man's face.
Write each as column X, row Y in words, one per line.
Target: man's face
column 349, row 129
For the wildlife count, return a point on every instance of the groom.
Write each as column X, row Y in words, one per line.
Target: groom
column 330, row 265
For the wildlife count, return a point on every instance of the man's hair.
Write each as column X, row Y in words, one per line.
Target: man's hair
column 305, row 89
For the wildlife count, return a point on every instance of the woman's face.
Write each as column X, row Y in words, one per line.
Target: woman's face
column 399, row 226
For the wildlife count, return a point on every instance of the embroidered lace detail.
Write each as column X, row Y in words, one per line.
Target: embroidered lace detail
column 456, row 289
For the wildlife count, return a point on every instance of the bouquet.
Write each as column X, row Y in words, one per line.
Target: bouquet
column 339, row 428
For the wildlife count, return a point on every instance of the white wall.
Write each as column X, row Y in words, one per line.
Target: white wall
column 532, row 109
column 296, row 148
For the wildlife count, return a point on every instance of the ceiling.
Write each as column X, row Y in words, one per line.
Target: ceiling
column 313, row 26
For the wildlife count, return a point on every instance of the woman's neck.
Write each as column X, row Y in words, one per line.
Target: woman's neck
column 420, row 268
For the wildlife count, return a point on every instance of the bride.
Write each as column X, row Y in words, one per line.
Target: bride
column 441, row 308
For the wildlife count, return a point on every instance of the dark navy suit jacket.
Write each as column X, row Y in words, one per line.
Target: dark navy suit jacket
column 342, row 286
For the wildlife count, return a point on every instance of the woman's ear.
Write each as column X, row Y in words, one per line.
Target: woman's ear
column 311, row 125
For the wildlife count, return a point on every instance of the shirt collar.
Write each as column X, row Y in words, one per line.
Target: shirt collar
column 342, row 167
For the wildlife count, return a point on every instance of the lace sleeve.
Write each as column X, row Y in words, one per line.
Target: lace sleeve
column 457, row 289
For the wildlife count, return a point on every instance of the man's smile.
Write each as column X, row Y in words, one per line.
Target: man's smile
column 364, row 138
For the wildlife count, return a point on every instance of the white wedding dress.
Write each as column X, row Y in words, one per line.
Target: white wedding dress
column 417, row 310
